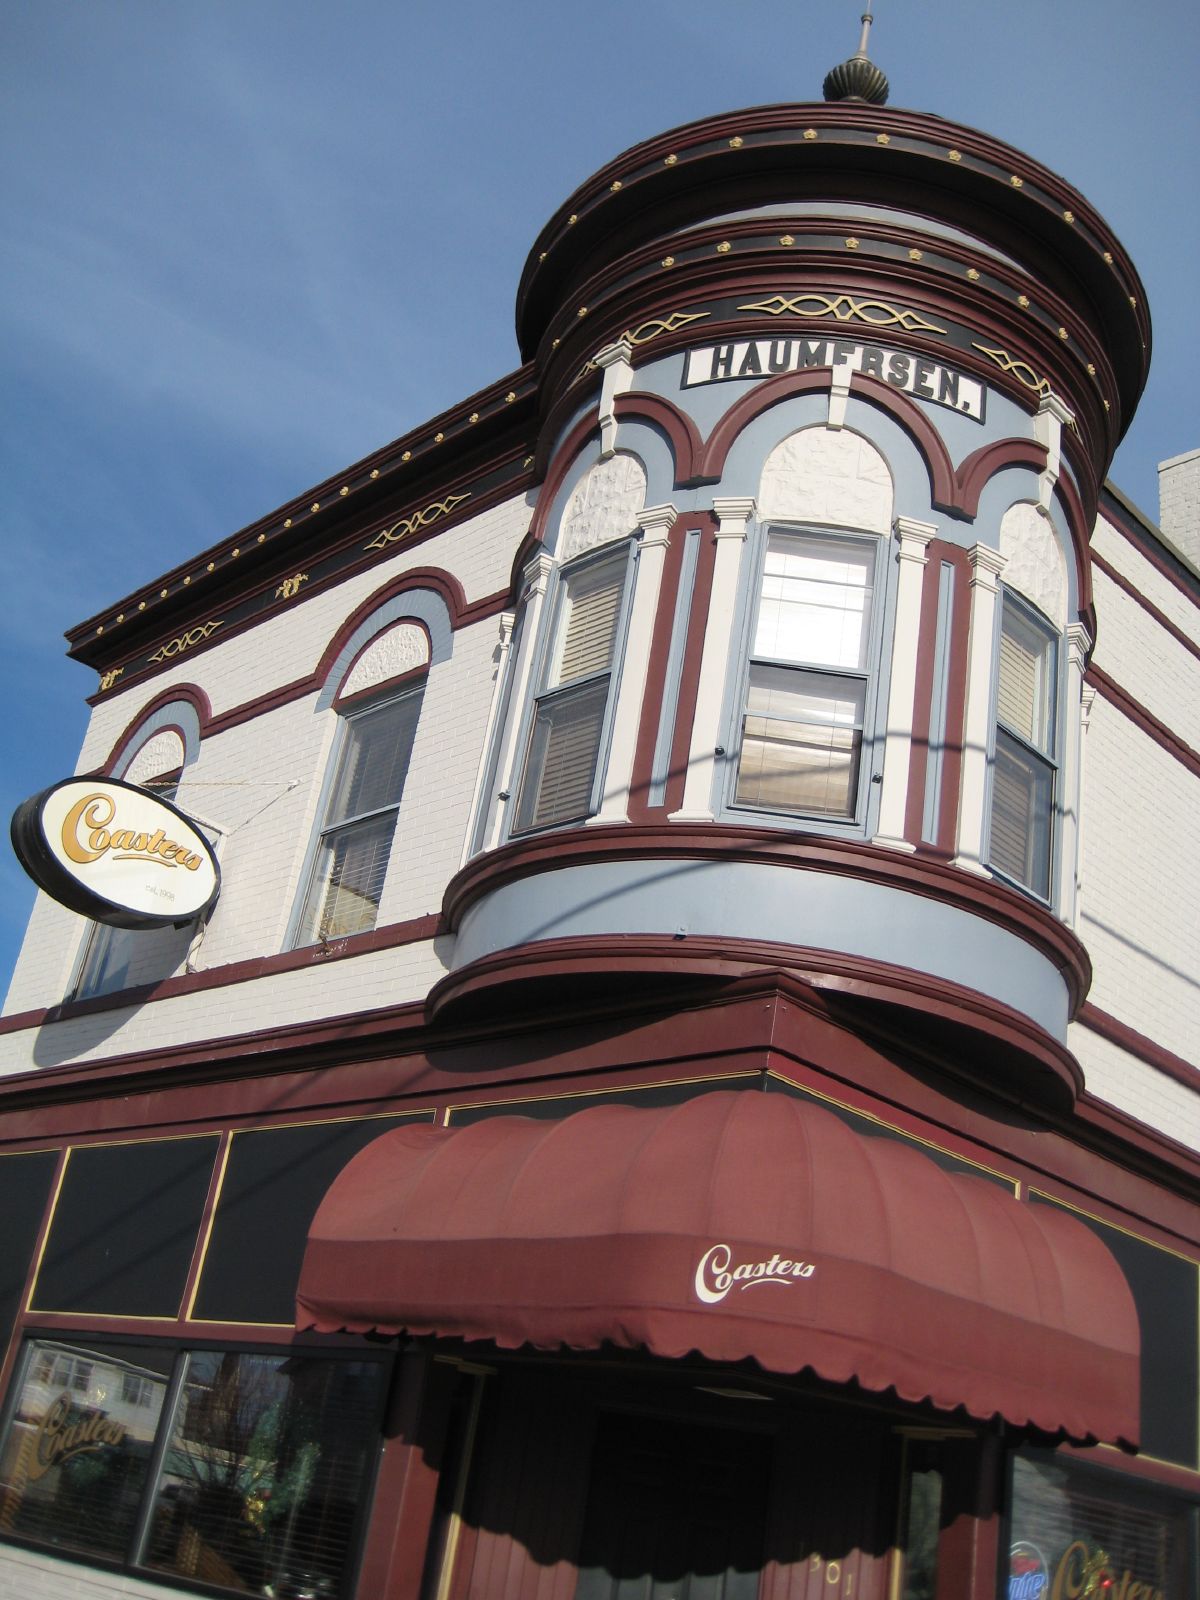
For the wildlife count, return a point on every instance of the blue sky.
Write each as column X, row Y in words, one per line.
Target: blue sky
column 246, row 242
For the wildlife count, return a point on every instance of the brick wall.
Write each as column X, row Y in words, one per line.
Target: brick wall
column 1179, row 503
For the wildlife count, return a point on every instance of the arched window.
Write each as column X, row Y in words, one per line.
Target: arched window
column 380, row 704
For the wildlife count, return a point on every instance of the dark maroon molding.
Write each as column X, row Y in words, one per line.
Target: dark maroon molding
column 1016, row 913
column 1145, row 720
column 720, row 959
column 983, row 464
column 771, row 392
column 415, row 931
column 681, row 432
column 693, row 655
column 555, row 475
column 1134, row 593
column 191, row 693
column 1080, row 526
column 444, row 584
column 1137, row 1044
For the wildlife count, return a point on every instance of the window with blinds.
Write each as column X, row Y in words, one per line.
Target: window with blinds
column 802, row 729
column 559, row 773
column 360, row 821
column 1021, row 822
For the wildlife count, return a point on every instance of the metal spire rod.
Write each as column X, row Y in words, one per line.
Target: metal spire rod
column 867, row 19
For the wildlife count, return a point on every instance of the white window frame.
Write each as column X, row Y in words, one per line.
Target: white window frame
column 1040, row 754
column 870, row 675
column 551, row 691
column 305, row 932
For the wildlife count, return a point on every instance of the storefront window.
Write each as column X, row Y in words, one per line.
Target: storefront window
column 240, row 1471
column 1077, row 1532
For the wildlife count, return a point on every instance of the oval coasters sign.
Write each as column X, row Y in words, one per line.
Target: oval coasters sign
column 116, row 853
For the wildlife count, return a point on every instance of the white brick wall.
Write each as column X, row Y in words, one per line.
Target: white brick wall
column 1179, row 503
column 1147, row 661
column 1136, row 1088
column 1145, row 577
column 26, row 1576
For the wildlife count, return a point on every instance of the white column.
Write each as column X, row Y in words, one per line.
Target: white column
column 656, row 523
column 480, row 801
column 732, row 517
column 1053, row 415
column 614, row 362
column 535, row 581
column 986, row 566
column 914, row 539
column 1071, row 791
column 1087, row 700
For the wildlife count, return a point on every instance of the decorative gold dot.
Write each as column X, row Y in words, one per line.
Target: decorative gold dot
column 262, row 538
column 1108, row 257
column 1017, row 183
column 973, row 274
column 668, row 261
column 188, row 579
column 543, row 255
column 235, row 552
column 141, row 605
column 407, row 456
column 343, row 490
column 582, row 312
column 615, row 185
column 724, row 247
column 851, row 244
column 1091, row 369
column 736, row 142
column 528, row 462
column 162, row 594
column 671, row 160
column 554, row 343
column 510, row 397
column 1107, row 407
column 120, row 616
column 438, row 437
column 474, row 417
column 1133, row 300
column 1068, row 216
column 374, row 472
column 288, row 523
column 955, row 155
column 1063, row 334
column 316, row 506
column 914, row 255
column 100, row 629
column 212, row 566
column 810, row 133
column 882, row 138
column 572, row 220
column 1023, row 301
column 787, row 240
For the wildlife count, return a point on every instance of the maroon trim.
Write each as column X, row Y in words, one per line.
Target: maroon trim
column 555, row 476
column 656, row 676
column 1016, row 913
column 1145, row 720
column 771, row 392
column 1137, row 1044
column 681, row 432
column 922, row 432
column 415, row 931
column 340, row 701
column 1191, row 645
column 190, row 693
column 693, row 655
column 982, row 465
column 1080, row 525
column 918, row 770
column 956, row 694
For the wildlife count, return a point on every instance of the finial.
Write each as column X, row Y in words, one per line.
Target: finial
column 859, row 78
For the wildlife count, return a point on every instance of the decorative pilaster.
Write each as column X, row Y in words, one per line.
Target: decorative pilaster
column 986, row 566
column 656, row 523
column 1053, row 414
column 614, row 362
column 479, row 802
column 914, row 540
column 1078, row 643
column 535, row 582
column 732, row 515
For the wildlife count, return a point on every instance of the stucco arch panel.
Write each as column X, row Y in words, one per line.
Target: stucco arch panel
column 1034, row 562
column 163, row 752
column 404, row 647
column 827, row 475
column 603, row 506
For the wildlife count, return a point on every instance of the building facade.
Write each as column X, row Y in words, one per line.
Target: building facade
column 685, row 1087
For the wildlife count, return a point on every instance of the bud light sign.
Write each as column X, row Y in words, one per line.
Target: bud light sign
column 1028, row 1575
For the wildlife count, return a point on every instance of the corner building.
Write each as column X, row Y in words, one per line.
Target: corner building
column 685, row 1089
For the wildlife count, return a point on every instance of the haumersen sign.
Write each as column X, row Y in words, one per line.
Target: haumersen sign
column 116, row 853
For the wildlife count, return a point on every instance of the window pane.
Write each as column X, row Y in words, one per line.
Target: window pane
column 1022, row 804
column 348, row 880
column 588, row 623
column 374, row 760
column 815, row 605
column 1024, row 702
column 118, row 958
column 801, row 742
column 264, row 1472
column 561, row 765
column 75, row 1460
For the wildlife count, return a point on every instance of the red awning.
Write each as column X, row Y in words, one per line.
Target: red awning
column 736, row 1225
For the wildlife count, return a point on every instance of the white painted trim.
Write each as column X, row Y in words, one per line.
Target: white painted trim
column 1078, row 641
column 986, row 566
column 914, row 538
column 479, row 801
column 535, row 582
column 1053, row 414
column 614, row 361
